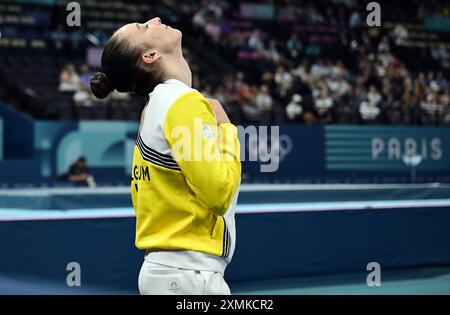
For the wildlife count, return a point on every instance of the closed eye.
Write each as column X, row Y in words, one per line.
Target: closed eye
column 139, row 27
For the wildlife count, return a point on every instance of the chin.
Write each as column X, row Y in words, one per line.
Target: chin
column 177, row 40
column 179, row 35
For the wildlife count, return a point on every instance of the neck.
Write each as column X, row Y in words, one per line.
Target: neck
column 178, row 68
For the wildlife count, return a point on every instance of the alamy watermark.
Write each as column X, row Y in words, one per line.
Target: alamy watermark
column 206, row 142
column 73, row 278
column 74, row 17
column 374, row 277
column 265, row 144
column 374, row 17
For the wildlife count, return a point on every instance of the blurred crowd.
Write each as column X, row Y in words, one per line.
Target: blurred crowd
column 293, row 83
column 77, row 83
column 380, row 90
column 292, row 78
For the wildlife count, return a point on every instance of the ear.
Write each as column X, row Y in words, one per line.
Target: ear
column 150, row 56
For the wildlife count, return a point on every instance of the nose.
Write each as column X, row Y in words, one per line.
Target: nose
column 155, row 20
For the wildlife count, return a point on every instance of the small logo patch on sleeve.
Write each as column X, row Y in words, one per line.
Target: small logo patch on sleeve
column 208, row 132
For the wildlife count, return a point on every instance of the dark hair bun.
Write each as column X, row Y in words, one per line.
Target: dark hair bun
column 101, row 85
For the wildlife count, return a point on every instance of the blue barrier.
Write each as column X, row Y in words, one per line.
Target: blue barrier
column 120, row 197
column 269, row 245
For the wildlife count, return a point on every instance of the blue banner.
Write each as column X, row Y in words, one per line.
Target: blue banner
column 17, row 133
column 384, row 148
column 107, row 146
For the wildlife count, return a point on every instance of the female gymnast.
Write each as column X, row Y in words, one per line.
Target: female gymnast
column 186, row 168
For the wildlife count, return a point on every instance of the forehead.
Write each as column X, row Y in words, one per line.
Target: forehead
column 126, row 29
column 136, row 32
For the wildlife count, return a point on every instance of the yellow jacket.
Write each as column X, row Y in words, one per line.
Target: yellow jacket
column 185, row 181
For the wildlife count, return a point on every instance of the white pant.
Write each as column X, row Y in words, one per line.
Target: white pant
column 155, row 279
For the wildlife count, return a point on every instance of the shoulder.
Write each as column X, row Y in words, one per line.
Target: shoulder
column 153, row 118
column 168, row 95
column 169, row 91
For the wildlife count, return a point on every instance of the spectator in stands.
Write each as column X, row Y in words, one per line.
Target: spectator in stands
column 283, row 78
column 264, row 104
column 212, row 27
column 410, row 110
column 255, row 40
column 355, row 20
column 199, row 18
column 338, row 86
column 441, row 81
column 69, row 81
column 284, row 84
column 83, row 96
column 303, row 71
column 268, row 78
column 431, row 103
column 230, row 95
column 338, row 69
column 79, row 173
column 85, row 76
column 294, row 109
column 401, row 35
column 445, row 101
column 319, row 69
column 312, row 14
column 309, row 118
column 294, row 46
column 440, row 53
column 245, row 98
column 369, row 112
column 272, row 52
column 373, row 96
column 420, row 85
column 324, row 104
column 243, row 92
column 216, row 6
column 250, row 110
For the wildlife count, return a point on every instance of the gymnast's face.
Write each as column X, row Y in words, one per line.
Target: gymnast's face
column 152, row 34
